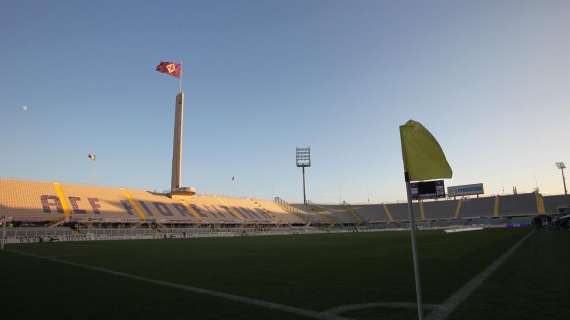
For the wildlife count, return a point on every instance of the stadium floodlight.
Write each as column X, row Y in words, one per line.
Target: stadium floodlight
column 303, row 157
column 562, row 166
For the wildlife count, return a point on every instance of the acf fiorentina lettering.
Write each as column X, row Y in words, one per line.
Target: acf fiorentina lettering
column 49, row 201
column 78, row 206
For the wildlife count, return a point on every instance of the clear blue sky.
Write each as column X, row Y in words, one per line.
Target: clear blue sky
column 490, row 79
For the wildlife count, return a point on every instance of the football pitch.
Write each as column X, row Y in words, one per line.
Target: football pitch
column 492, row 274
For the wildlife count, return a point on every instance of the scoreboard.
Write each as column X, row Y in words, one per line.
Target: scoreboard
column 427, row 190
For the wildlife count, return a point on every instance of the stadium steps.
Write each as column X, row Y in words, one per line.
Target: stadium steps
column 539, row 203
column 422, row 211
column 457, row 213
column 187, row 203
column 262, row 208
column 292, row 210
column 136, row 225
column 56, row 223
column 232, row 210
column 388, row 212
column 323, row 213
column 353, row 212
column 496, row 208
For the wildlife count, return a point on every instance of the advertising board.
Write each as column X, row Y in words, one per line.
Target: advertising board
column 465, row 190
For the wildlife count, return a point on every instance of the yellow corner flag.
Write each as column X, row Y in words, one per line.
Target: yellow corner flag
column 423, row 157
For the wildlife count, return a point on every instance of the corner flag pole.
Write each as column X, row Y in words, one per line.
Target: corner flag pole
column 423, row 160
column 4, row 232
column 414, row 249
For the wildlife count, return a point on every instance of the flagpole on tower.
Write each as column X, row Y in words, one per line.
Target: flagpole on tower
column 175, row 70
column 176, row 179
column 180, row 79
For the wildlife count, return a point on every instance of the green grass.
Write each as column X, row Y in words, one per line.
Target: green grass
column 314, row 272
column 533, row 284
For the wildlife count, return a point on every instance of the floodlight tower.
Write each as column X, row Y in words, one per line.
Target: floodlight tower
column 562, row 166
column 303, row 156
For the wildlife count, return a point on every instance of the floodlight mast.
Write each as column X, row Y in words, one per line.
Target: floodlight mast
column 303, row 157
column 562, row 166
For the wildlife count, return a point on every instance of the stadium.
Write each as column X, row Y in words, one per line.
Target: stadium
column 74, row 247
column 52, row 209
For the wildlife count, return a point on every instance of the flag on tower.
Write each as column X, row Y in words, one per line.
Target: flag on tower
column 170, row 68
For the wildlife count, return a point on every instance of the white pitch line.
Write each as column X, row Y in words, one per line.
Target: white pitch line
column 445, row 309
column 83, row 245
column 228, row 296
column 360, row 306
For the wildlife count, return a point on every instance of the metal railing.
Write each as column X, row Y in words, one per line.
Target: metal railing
column 351, row 210
column 289, row 208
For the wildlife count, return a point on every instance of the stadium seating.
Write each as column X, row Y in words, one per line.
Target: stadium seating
column 32, row 201
column 399, row 211
column 55, row 203
column 468, row 208
column 518, row 204
column 442, row 209
column 340, row 214
column 315, row 214
column 277, row 212
column 552, row 203
column 372, row 213
column 477, row 207
column 21, row 198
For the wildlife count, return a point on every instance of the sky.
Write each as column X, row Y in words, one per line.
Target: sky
column 489, row 79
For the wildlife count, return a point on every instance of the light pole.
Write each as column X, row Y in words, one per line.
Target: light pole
column 562, row 166
column 303, row 157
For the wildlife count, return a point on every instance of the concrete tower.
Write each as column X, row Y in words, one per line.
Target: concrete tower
column 176, row 181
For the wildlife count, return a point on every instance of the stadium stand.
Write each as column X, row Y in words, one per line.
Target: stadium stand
column 20, row 198
column 399, row 211
column 291, row 209
column 278, row 213
column 526, row 204
column 440, row 209
column 372, row 213
column 46, row 202
column 70, row 212
column 315, row 214
column 353, row 212
column 552, row 203
column 477, row 207
column 340, row 214
column 518, row 204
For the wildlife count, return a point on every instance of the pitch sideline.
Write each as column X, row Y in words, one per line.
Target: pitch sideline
column 359, row 306
column 228, row 296
column 443, row 311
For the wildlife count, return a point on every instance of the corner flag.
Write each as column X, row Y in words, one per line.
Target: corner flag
column 423, row 160
column 423, row 157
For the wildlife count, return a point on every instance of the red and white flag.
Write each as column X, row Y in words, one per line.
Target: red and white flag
column 170, row 68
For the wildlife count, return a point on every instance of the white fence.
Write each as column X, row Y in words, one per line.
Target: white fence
column 32, row 235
